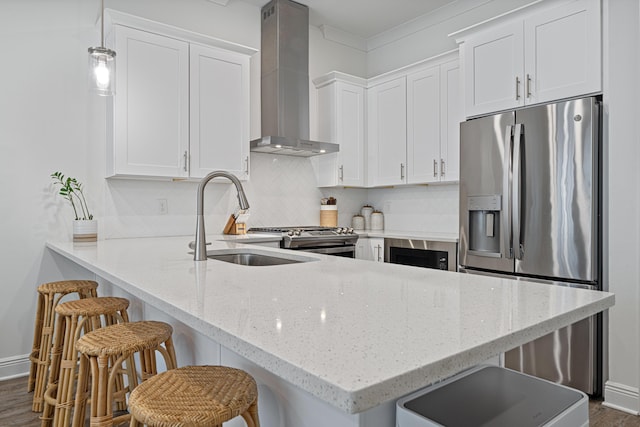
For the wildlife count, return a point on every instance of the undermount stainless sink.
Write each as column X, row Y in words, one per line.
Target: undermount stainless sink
column 255, row 258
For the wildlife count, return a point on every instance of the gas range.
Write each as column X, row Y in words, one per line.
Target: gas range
column 312, row 237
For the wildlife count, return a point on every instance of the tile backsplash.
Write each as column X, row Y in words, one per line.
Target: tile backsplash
column 281, row 191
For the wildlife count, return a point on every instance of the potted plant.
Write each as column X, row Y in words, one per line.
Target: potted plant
column 85, row 228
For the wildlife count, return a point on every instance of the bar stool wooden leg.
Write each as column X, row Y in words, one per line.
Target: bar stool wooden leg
column 49, row 296
column 103, row 353
column 75, row 318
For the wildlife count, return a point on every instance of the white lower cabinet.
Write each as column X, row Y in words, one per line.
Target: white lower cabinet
column 370, row 249
column 181, row 108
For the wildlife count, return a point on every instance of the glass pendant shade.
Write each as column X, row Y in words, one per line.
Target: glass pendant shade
column 102, row 67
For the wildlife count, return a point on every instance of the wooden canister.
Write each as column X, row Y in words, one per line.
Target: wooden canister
column 328, row 215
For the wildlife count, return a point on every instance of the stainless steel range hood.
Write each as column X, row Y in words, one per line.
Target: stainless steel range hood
column 285, row 82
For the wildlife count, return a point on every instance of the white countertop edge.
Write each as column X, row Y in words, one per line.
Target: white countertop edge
column 350, row 401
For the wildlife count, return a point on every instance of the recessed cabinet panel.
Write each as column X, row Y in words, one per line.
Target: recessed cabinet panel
column 341, row 110
column 351, row 134
column 151, row 104
column 450, row 118
column 423, row 126
column 388, row 131
column 219, row 102
column 562, row 55
column 495, row 60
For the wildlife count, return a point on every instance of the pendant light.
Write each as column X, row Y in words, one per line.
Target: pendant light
column 102, row 64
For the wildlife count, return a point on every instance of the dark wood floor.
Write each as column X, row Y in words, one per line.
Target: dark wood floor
column 15, row 409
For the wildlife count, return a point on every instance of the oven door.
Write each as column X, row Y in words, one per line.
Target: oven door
column 347, row 251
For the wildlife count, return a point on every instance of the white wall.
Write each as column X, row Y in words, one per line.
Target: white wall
column 427, row 35
column 422, row 207
column 622, row 199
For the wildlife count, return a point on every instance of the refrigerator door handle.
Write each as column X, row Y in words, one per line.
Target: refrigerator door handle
column 516, row 191
column 506, row 244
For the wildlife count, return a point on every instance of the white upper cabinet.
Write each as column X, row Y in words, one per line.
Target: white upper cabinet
column 181, row 108
column 151, row 128
column 387, row 132
column 451, row 114
column 219, row 88
column 562, row 52
column 423, row 126
column 341, row 112
column 413, row 122
column 544, row 53
column 493, row 70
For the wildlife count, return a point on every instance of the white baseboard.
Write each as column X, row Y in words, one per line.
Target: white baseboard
column 622, row 397
column 14, row 367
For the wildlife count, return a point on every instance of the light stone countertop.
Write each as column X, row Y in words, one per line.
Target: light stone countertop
column 352, row 333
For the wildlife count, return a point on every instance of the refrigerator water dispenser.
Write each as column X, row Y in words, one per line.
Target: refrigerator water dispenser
column 484, row 225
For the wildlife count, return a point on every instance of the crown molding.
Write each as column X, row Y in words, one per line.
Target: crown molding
column 343, row 37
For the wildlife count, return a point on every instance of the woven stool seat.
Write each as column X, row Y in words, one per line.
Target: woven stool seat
column 92, row 306
column 103, row 353
column 76, row 317
column 49, row 296
column 195, row 396
column 126, row 337
column 67, row 286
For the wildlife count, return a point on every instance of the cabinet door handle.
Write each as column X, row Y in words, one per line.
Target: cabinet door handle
column 246, row 164
column 435, row 168
column 186, row 160
column 517, row 88
column 442, row 164
column 379, row 251
column 401, row 171
column 341, row 172
column 528, row 86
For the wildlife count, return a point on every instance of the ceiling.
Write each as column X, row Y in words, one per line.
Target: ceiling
column 365, row 18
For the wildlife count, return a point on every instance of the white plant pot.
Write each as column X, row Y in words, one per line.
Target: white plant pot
column 85, row 230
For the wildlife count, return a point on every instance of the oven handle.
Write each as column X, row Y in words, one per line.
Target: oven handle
column 329, row 251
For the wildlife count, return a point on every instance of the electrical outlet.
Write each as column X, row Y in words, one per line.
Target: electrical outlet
column 163, row 207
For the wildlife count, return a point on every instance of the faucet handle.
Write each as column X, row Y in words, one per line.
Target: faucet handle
column 192, row 244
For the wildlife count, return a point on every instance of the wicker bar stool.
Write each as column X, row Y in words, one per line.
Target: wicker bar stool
column 104, row 351
column 49, row 296
column 195, row 396
column 74, row 318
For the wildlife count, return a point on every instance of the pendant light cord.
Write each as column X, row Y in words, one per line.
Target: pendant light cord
column 102, row 23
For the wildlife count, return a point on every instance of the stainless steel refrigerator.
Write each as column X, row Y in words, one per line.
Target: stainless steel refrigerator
column 530, row 208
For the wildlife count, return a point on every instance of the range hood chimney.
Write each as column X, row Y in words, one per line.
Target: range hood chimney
column 285, row 82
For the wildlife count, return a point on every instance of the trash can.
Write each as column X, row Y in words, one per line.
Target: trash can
column 492, row 396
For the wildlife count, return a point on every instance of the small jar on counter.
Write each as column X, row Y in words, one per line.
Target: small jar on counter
column 377, row 220
column 357, row 222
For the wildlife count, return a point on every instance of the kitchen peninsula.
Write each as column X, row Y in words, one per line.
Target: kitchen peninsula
column 348, row 337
